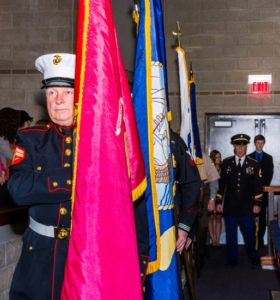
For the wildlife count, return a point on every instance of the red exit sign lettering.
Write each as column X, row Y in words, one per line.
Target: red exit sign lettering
column 259, row 84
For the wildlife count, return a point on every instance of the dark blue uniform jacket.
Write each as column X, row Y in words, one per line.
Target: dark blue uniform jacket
column 240, row 190
column 40, row 176
column 188, row 182
column 266, row 165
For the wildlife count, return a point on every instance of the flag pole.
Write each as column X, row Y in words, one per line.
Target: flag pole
column 191, row 72
column 177, row 34
column 186, row 262
column 135, row 14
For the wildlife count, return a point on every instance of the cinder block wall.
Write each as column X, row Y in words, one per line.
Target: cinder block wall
column 28, row 29
column 226, row 40
column 10, row 246
column 9, row 251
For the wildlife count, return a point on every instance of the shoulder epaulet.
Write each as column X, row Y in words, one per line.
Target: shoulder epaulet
column 251, row 158
column 38, row 128
column 229, row 157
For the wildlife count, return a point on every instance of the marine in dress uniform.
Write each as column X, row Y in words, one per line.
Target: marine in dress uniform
column 266, row 162
column 41, row 175
column 239, row 198
column 187, row 188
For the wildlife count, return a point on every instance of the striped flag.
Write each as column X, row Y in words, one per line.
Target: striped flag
column 150, row 103
column 186, row 132
column 189, row 130
column 109, row 172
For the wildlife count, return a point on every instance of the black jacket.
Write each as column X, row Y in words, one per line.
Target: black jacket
column 266, row 166
column 41, row 177
column 240, row 189
column 188, row 182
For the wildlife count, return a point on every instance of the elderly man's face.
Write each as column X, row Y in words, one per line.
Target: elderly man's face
column 60, row 105
column 240, row 150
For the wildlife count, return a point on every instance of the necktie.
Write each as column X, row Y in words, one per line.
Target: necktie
column 239, row 163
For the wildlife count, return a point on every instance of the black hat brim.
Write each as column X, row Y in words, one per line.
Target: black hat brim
column 58, row 81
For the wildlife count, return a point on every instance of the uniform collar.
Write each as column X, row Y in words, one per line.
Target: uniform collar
column 242, row 159
column 65, row 130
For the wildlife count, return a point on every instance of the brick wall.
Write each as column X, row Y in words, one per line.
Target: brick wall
column 10, row 248
column 226, row 41
column 28, row 29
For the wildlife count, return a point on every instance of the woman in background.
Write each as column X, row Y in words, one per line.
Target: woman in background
column 25, row 119
column 215, row 218
column 9, row 124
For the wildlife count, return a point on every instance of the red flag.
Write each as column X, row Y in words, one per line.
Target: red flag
column 102, row 260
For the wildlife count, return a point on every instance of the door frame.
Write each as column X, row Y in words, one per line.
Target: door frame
column 250, row 115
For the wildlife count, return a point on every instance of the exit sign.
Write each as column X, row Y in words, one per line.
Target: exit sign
column 260, row 84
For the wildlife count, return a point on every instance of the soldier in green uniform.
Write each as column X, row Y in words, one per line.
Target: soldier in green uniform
column 239, row 198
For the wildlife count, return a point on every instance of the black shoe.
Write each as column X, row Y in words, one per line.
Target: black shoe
column 255, row 263
column 231, row 264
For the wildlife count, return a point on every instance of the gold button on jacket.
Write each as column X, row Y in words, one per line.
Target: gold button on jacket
column 68, row 140
column 68, row 152
column 63, row 211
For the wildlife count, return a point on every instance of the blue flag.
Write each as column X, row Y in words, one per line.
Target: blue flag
column 150, row 105
column 196, row 138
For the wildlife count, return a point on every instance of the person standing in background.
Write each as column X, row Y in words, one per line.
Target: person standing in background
column 239, row 199
column 266, row 163
column 214, row 217
column 2, row 173
column 210, row 184
column 9, row 124
column 25, row 119
column 187, row 182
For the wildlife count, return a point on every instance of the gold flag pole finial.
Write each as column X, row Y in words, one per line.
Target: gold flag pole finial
column 135, row 14
column 177, row 34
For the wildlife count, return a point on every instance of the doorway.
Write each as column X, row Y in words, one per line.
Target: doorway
column 221, row 127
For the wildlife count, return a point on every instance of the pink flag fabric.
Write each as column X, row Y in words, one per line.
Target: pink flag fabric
column 102, row 261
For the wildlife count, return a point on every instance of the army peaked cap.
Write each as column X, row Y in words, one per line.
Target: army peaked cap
column 240, row 139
